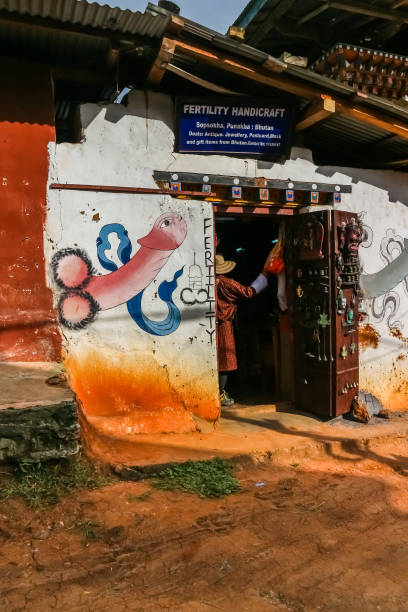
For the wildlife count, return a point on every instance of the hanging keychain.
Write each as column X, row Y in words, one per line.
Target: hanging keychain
column 350, row 315
column 341, row 302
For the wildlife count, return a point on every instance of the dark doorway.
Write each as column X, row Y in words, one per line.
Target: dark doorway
column 247, row 240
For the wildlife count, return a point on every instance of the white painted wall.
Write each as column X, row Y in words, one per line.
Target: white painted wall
column 123, row 146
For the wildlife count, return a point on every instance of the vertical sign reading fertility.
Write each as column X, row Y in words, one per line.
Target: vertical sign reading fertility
column 203, row 292
column 209, row 277
column 246, row 128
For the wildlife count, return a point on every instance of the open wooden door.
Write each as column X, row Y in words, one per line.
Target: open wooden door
column 323, row 282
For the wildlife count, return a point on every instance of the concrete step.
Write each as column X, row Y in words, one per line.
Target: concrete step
column 248, row 410
column 38, row 421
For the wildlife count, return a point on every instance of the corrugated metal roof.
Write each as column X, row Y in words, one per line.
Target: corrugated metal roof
column 341, row 129
column 91, row 14
column 62, row 47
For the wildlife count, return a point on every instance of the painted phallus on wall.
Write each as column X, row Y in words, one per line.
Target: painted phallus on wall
column 85, row 293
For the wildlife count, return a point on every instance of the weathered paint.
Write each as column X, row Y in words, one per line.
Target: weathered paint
column 28, row 328
column 368, row 336
column 131, row 381
column 130, row 376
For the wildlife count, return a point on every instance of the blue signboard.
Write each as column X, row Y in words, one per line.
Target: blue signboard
column 234, row 126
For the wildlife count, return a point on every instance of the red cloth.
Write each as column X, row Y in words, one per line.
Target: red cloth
column 229, row 292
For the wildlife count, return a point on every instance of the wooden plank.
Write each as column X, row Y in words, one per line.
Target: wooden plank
column 370, row 10
column 221, row 179
column 199, row 81
column 312, row 14
column 119, row 189
column 275, row 14
column 397, row 162
column 291, row 31
column 175, row 25
column 164, row 57
column 314, row 113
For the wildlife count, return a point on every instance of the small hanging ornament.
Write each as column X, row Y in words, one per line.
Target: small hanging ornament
column 341, row 235
column 341, row 302
column 349, row 316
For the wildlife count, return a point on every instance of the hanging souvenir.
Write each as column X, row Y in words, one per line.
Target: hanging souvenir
column 311, row 235
column 316, row 343
column 349, row 316
column 341, row 302
column 341, row 235
column 354, row 236
column 324, row 322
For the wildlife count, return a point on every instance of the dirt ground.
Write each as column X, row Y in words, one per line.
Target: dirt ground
column 327, row 534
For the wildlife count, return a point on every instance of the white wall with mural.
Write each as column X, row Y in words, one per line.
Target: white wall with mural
column 121, row 364
column 134, row 281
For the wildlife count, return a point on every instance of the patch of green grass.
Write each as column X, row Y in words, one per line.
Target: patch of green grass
column 44, row 483
column 205, row 478
column 90, row 530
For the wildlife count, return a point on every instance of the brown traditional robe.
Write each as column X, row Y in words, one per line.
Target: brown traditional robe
column 229, row 292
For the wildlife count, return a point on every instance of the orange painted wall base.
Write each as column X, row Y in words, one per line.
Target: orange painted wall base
column 124, row 395
column 28, row 328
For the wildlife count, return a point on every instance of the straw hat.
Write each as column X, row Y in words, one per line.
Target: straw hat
column 222, row 266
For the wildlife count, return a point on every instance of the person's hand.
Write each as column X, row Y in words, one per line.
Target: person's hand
column 260, row 282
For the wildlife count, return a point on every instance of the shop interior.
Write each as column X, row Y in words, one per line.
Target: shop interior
column 247, row 240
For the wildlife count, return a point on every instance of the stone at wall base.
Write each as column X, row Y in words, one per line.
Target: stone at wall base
column 359, row 411
column 39, row 433
column 365, row 407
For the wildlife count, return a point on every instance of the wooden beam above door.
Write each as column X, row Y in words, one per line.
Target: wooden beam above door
column 315, row 113
column 200, row 178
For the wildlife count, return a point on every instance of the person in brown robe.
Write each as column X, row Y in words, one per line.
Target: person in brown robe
column 229, row 293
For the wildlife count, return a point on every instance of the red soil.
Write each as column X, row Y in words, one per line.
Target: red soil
column 327, row 534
